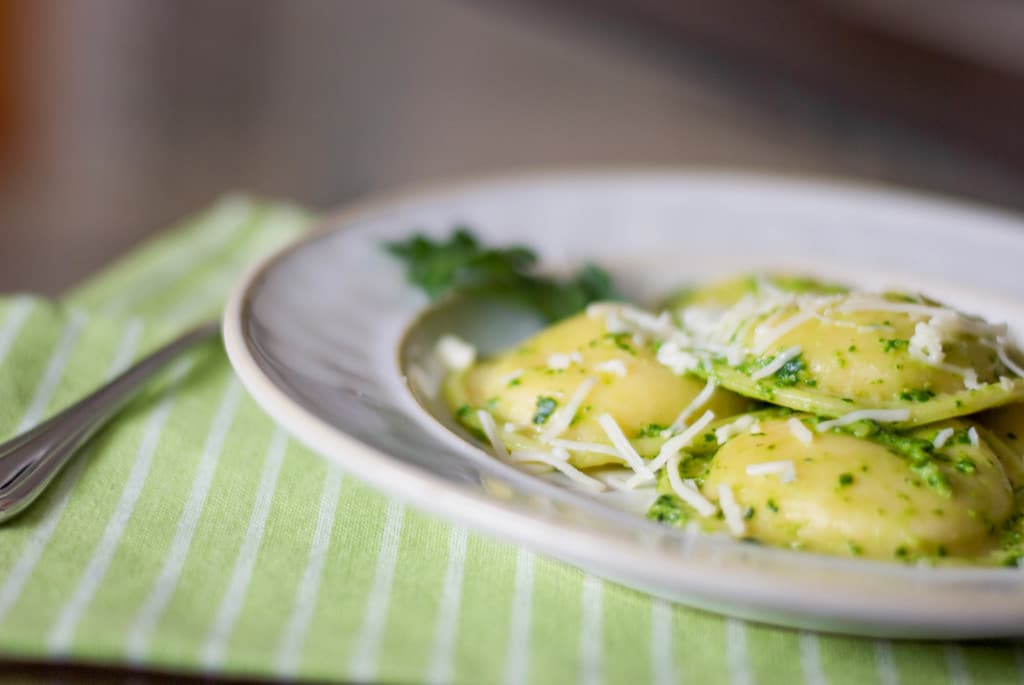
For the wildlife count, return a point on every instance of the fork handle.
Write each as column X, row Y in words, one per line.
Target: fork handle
column 29, row 461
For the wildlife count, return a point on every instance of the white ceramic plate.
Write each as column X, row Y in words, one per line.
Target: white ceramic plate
column 318, row 335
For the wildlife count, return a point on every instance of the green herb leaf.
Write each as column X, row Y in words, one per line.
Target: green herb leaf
column 667, row 509
column 462, row 264
column 891, row 345
column 966, row 465
column 789, row 374
column 651, row 430
column 917, row 395
column 545, row 408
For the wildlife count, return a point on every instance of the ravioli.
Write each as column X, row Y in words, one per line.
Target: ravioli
column 780, row 409
column 857, row 496
column 1004, row 428
column 832, row 355
column 529, row 389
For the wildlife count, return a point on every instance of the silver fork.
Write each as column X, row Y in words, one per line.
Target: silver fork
column 29, row 462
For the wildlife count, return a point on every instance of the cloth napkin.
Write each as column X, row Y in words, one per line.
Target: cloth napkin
column 195, row 535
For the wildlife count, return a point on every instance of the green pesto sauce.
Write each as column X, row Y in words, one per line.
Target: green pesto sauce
column 789, row 374
column 920, row 454
column 669, row 509
column 892, row 345
column 917, row 395
column 651, row 430
column 545, row 408
column 622, row 341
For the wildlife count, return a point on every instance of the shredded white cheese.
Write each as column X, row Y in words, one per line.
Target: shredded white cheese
column 701, row 321
column 702, row 398
column 578, row 446
column 755, row 427
column 800, row 431
column 673, row 445
column 765, row 336
column 455, row 353
column 616, row 366
column 880, row 415
column 1005, row 359
column 777, row 363
column 953, row 322
column 941, row 326
column 942, row 437
column 731, row 510
column 785, row 469
column 564, row 416
column 509, row 377
column 970, row 376
column 766, row 318
column 622, row 318
column 688, row 493
column 559, row 461
column 926, row 343
column 740, row 425
column 491, row 431
column 613, row 323
column 734, row 355
column 673, row 356
column 622, row 444
column 620, row 479
column 1005, row 383
column 559, row 362
column 972, row 435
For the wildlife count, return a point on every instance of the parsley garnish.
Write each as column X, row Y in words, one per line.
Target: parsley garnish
column 545, row 407
column 966, row 465
column 917, row 395
column 462, row 264
column 789, row 374
column 890, row 345
column 651, row 430
column 620, row 341
column 666, row 509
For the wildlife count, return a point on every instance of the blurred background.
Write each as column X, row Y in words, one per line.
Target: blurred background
column 118, row 117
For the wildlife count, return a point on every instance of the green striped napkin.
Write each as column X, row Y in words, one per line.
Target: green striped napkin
column 195, row 535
